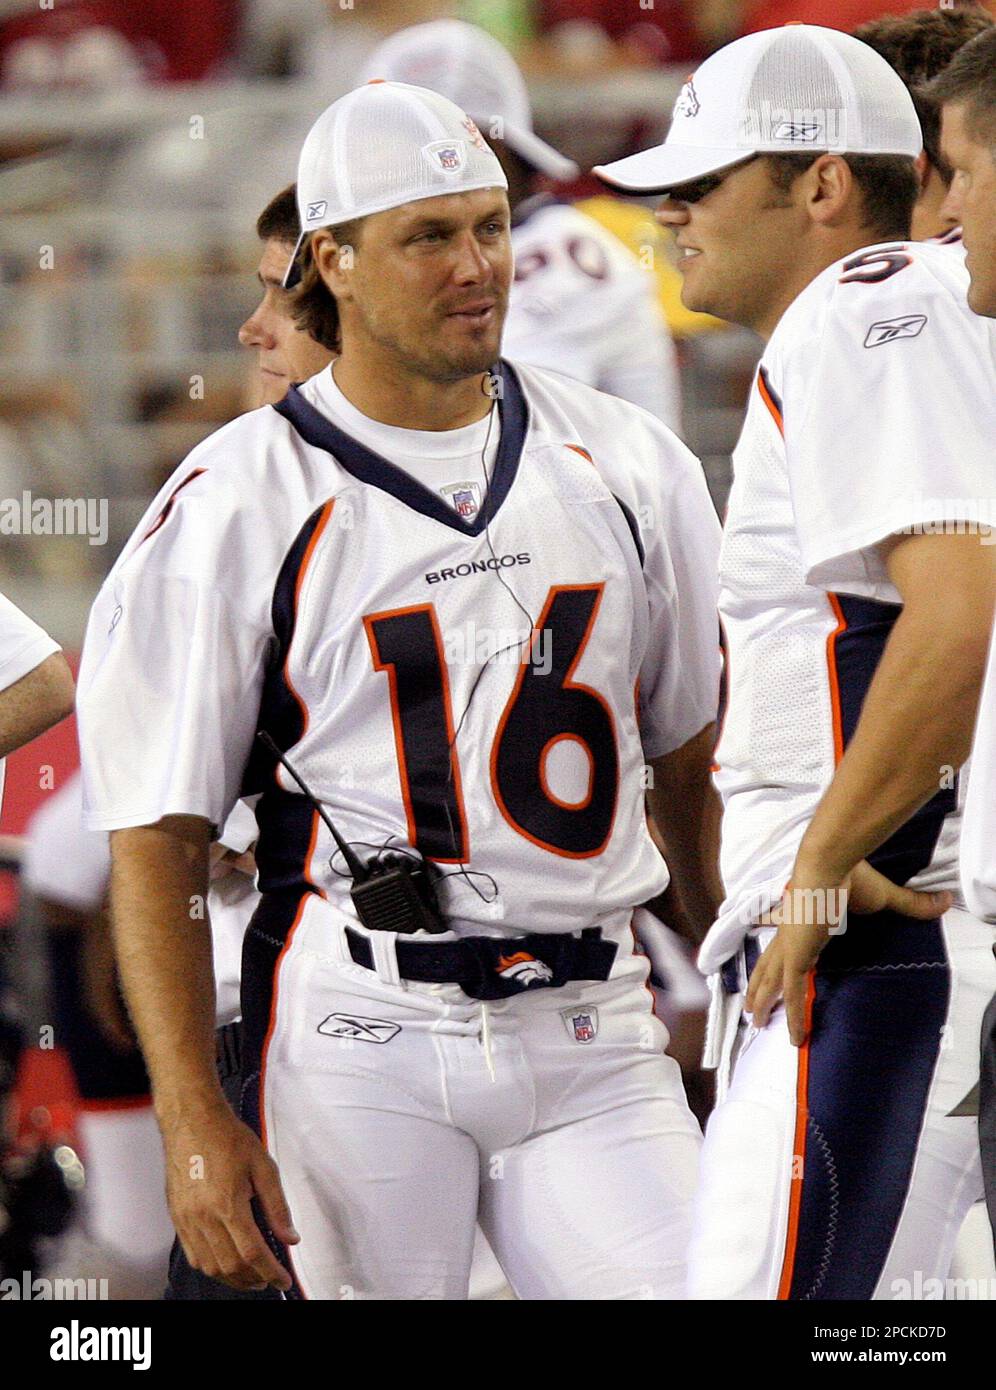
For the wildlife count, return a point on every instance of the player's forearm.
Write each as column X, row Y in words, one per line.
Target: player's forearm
column 915, row 730
column 686, row 812
column 158, row 890
column 35, row 702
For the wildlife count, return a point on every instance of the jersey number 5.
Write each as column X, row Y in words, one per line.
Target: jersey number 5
column 872, row 267
column 545, row 706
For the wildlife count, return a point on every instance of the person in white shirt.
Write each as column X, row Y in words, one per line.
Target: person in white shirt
column 36, row 691
column 966, row 92
column 36, row 684
column 856, row 600
column 581, row 303
column 459, row 691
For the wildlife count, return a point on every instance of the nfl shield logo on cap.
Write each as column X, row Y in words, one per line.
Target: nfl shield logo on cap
column 447, row 155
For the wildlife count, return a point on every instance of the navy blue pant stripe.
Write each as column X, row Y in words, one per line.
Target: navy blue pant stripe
column 264, row 941
column 882, row 992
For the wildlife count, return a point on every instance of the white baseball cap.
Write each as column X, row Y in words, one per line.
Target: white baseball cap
column 383, row 145
column 781, row 91
column 472, row 68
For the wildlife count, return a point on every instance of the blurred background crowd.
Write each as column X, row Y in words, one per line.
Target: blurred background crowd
column 138, row 143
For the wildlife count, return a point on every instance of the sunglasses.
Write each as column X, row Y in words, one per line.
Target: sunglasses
column 697, row 189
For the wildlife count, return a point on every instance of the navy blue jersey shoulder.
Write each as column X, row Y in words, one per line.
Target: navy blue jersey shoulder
column 280, row 711
column 859, row 646
column 369, row 467
column 634, row 528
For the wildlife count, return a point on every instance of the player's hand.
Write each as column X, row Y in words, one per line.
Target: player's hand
column 223, row 861
column 215, row 1165
column 805, row 918
column 869, row 891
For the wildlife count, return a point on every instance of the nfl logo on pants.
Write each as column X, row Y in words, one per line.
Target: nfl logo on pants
column 582, row 1026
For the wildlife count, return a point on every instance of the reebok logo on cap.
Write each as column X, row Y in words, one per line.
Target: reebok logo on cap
column 315, row 210
column 800, row 131
column 769, row 125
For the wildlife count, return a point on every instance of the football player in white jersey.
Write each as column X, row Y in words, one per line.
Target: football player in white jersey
column 918, row 46
column 580, row 303
column 856, row 599
column 967, row 93
column 36, row 691
column 36, row 684
column 67, row 869
column 424, row 578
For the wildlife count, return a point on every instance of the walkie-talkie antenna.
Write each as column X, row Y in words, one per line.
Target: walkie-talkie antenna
column 355, row 865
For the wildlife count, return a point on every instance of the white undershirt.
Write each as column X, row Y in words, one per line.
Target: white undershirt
column 446, row 461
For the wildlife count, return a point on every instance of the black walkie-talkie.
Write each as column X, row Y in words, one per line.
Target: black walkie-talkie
column 393, row 892
column 397, row 895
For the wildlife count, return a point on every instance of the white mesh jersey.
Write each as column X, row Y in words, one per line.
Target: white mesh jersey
column 291, row 580
column 582, row 304
column 873, row 411
column 63, row 862
column 23, row 646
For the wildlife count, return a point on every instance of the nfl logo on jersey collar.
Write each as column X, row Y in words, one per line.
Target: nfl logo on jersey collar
column 465, row 498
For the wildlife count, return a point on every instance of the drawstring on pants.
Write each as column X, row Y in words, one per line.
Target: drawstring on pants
column 486, row 1040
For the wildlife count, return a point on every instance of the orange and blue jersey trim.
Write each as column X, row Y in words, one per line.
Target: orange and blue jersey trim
column 771, row 399
column 163, row 516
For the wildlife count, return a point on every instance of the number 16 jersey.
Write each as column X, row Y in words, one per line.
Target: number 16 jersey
column 484, row 690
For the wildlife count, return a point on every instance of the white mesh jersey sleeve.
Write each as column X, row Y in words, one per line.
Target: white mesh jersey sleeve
column 23, row 644
column 583, row 305
column 895, row 375
column 176, row 645
column 679, row 681
column 663, row 487
column 62, row 861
